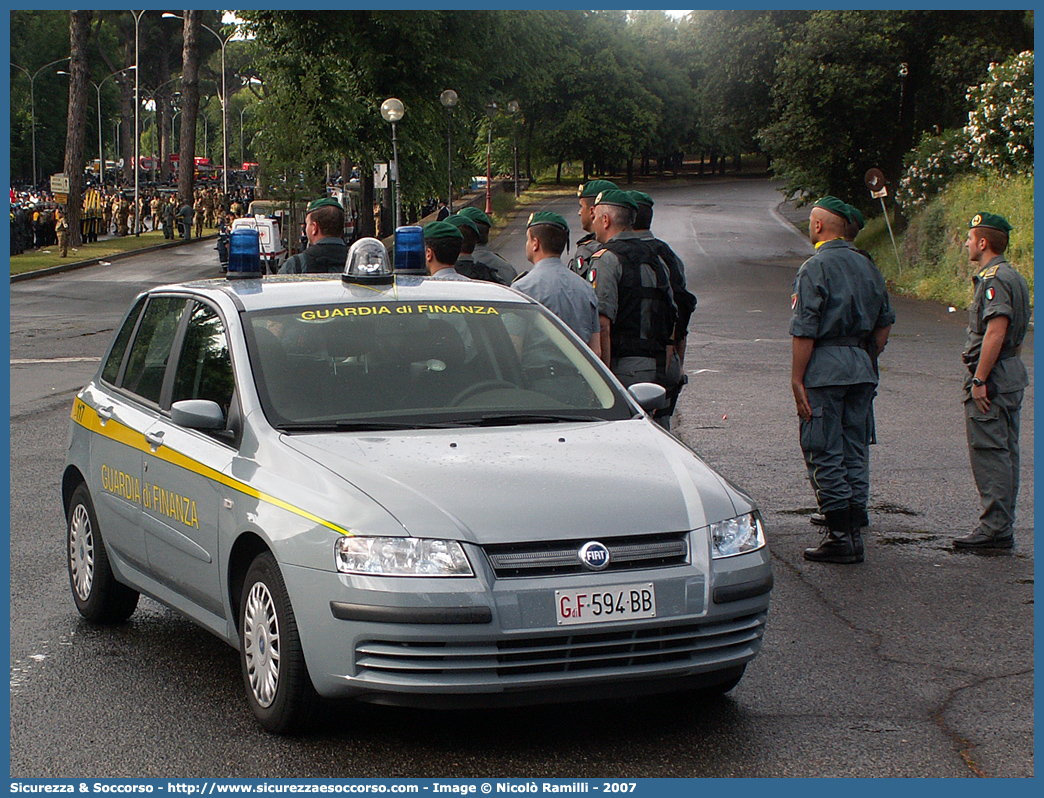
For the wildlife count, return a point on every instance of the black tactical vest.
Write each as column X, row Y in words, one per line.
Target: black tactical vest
column 627, row 336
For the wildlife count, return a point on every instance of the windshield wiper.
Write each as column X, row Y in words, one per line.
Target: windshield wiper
column 347, row 426
column 505, row 419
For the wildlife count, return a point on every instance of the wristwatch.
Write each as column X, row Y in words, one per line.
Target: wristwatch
column 977, row 382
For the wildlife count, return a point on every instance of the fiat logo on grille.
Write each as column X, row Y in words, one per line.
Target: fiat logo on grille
column 594, row 555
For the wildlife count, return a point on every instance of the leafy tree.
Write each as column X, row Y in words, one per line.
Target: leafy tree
column 38, row 38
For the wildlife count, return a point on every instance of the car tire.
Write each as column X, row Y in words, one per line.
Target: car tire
column 98, row 596
column 278, row 687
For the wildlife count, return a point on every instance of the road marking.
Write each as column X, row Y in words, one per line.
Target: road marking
column 29, row 362
column 696, row 238
column 784, row 223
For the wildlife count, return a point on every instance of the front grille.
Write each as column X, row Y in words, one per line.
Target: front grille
column 562, row 557
column 521, row 659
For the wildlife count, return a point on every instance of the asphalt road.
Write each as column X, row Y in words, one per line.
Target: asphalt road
column 918, row 662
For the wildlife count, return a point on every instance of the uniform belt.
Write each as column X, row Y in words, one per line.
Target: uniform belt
column 839, row 342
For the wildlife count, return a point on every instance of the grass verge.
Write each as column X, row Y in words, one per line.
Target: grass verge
column 934, row 263
column 33, row 260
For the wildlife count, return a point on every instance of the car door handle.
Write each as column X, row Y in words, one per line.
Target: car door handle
column 104, row 413
column 155, row 439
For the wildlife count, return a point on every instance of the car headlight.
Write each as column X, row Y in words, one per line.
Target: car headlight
column 738, row 535
column 400, row 557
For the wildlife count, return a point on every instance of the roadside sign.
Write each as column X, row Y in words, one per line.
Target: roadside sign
column 380, row 175
column 60, row 184
column 60, row 198
column 875, row 181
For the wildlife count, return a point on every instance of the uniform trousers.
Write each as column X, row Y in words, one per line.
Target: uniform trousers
column 836, row 445
column 993, row 447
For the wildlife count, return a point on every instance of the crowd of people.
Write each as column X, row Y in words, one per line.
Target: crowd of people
column 36, row 216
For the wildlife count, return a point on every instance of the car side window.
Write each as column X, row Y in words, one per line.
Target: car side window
column 119, row 347
column 148, row 356
column 204, row 369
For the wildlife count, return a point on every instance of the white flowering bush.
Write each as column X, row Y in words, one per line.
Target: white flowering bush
column 997, row 138
column 1000, row 124
column 931, row 166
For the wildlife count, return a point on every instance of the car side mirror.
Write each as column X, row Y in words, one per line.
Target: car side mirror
column 649, row 396
column 197, row 414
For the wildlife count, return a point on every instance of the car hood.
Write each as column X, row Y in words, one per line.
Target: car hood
column 532, row 482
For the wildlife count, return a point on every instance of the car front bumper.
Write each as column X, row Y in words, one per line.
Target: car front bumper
column 468, row 642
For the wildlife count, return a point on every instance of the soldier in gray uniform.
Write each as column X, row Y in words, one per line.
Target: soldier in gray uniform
column 684, row 300
column 588, row 244
column 442, row 243
column 482, row 253
column 466, row 263
column 996, row 381
column 552, row 284
column 841, row 311
column 636, row 311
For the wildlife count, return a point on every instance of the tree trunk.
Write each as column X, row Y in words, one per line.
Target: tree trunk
column 79, row 36
column 366, row 224
column 189, row 106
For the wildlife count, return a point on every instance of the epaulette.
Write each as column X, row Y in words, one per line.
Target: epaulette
column 600, row 252
column 519, row 277
column 990, row 272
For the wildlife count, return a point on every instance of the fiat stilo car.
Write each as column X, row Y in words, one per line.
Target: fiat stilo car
column 406, row 491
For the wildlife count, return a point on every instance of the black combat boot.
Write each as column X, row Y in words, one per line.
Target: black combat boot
column 859, row 520
column 837, row 545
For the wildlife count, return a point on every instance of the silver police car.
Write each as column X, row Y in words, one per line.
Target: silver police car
column 403, row 490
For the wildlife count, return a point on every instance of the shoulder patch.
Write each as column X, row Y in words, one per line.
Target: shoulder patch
column 990, row 294
column 793, row 301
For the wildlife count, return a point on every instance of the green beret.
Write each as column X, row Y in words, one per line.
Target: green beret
column 856, row 216
column 459, row 221
column 476, row 215
column 641, row 198
column 592, row 188
column 990, row 220
column 835, row 206
column 441, row 230
column 617, row 197
column 547, row 217
column 322, row 202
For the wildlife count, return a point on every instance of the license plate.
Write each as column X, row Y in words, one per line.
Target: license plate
column 605, row 604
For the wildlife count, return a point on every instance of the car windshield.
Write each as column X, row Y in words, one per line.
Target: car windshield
column 393, row 365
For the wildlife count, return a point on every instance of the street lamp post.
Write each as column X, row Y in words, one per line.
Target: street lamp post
column 448, row 99
column 32, row 103
column 491, row 111
column 242, row 158
column 97, row 91
column 137, row 130
column 513, row 108
column 224, row 99
column 392, row 110
column 153, row 98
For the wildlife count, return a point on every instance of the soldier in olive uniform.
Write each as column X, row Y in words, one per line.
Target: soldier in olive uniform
column 587, row 245
column 636, row 311
column 841, row 311
column 996, row 381
column 466, row 263
column 482, row 253
column 61, row 229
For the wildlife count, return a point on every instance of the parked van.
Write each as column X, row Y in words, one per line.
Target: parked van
column 273, row 248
